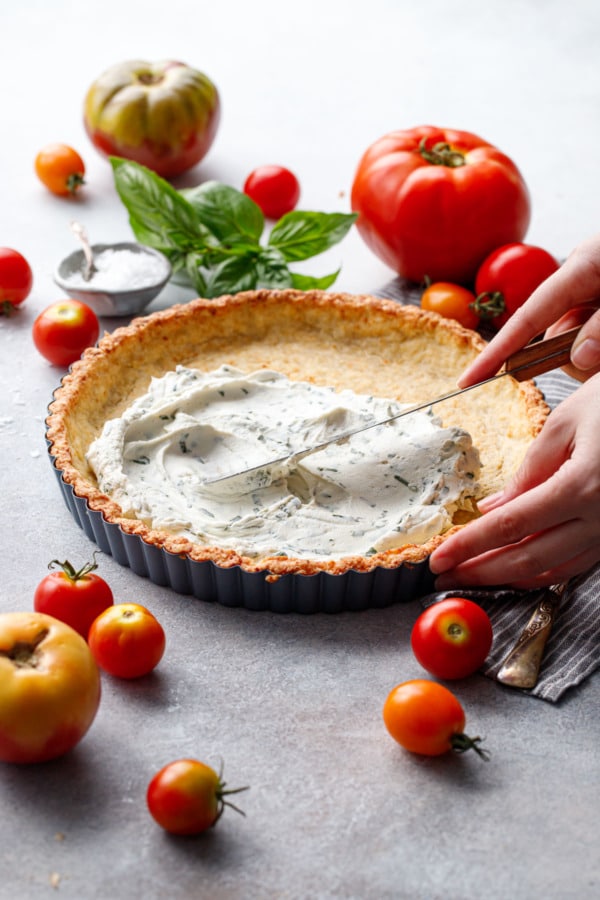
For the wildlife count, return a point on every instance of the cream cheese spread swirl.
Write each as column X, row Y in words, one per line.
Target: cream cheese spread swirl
column 393, row 485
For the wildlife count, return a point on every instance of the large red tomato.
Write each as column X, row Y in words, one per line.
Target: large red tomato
column 163, row 115
column 49, row 687
column 433, row 202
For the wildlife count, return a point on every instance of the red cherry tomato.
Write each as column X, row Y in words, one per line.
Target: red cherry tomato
column 451, row 301
column 16, row 279
column 63, row 331
column 507, row 277
column 274, row 188
column 187, row 797
column 452, row 638
column 76, row 597
column 127, row 641
column 425, row 717
column 60, row 169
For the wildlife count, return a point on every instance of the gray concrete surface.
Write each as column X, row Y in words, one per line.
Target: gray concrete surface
column 291, row 705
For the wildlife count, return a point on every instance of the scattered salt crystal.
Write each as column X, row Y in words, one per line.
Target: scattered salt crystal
column 119, row 270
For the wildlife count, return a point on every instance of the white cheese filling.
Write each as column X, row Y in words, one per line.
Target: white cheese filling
column 389, row 486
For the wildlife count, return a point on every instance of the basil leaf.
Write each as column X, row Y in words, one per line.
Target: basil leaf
column 226, row 212
column 159, row 215
column 238, row 273
column 272, row 270
column 300, row 235
column 308, row 283
column 193, row 267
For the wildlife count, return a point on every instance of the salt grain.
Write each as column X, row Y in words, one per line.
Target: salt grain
column 119, row 270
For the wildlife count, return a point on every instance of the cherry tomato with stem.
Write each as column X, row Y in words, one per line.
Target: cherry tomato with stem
column 61, row 169
column 426, row 718
column 187, row 797
column 275, row 189
column 127, row 641
column 64, row 330
column 451, row 301
column 507, row 277
column 452, row 638
column 16, row 279
column 74, row 596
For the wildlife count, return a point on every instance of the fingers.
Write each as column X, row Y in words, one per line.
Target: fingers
column 548, row 558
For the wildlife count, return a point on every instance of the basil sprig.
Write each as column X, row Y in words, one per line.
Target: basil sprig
column 213, row 232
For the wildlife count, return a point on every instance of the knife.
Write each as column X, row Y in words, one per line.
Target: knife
column 534, row 359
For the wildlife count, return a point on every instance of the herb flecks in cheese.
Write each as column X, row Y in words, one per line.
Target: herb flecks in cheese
column 387, row 487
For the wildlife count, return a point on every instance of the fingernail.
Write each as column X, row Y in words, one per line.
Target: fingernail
column 586, row 355
column 489, row 502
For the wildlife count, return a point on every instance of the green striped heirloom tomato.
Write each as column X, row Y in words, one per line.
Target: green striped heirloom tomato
column 434, row 202
column 49, row 687
column 163, row 115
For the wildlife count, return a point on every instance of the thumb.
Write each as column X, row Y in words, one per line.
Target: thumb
column 585, row 352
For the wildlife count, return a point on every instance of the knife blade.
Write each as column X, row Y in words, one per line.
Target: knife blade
column 534, row 359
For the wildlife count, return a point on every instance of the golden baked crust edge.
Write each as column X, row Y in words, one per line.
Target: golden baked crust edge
column 111, row 374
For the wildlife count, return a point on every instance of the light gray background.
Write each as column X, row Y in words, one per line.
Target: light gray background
column 291, row 705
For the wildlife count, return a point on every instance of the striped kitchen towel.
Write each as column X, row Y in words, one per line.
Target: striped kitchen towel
column 572, row 652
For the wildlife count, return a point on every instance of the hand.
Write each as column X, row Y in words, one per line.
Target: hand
column 544, row 527
column 568, row 298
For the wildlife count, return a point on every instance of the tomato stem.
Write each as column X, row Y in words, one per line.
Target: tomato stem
column 74, row 182
column 460, row 743
column 489, row 304
column 70, row 571
column 442, row 154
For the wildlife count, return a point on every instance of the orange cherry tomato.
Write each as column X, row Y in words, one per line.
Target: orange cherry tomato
column 60, row 169
column 187, row 797
column 451, row 301
column 426, row 718
column 127, row 640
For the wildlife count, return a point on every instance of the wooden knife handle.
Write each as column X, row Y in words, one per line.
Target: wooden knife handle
column 542, row 356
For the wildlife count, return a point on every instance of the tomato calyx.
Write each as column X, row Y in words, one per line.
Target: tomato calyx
column 460, row 743
column 71, row 572
column 23, row 654
column 442, row 154
column 74, row 182
column 489, row 304
column 221, row 793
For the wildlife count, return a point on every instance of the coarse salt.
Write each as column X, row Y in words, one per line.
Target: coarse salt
column 121, row 270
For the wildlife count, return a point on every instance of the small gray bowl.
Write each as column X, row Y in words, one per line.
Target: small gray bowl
column 114, row 302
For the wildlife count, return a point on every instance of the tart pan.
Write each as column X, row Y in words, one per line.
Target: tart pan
column 321, row 592
column 358, row 341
